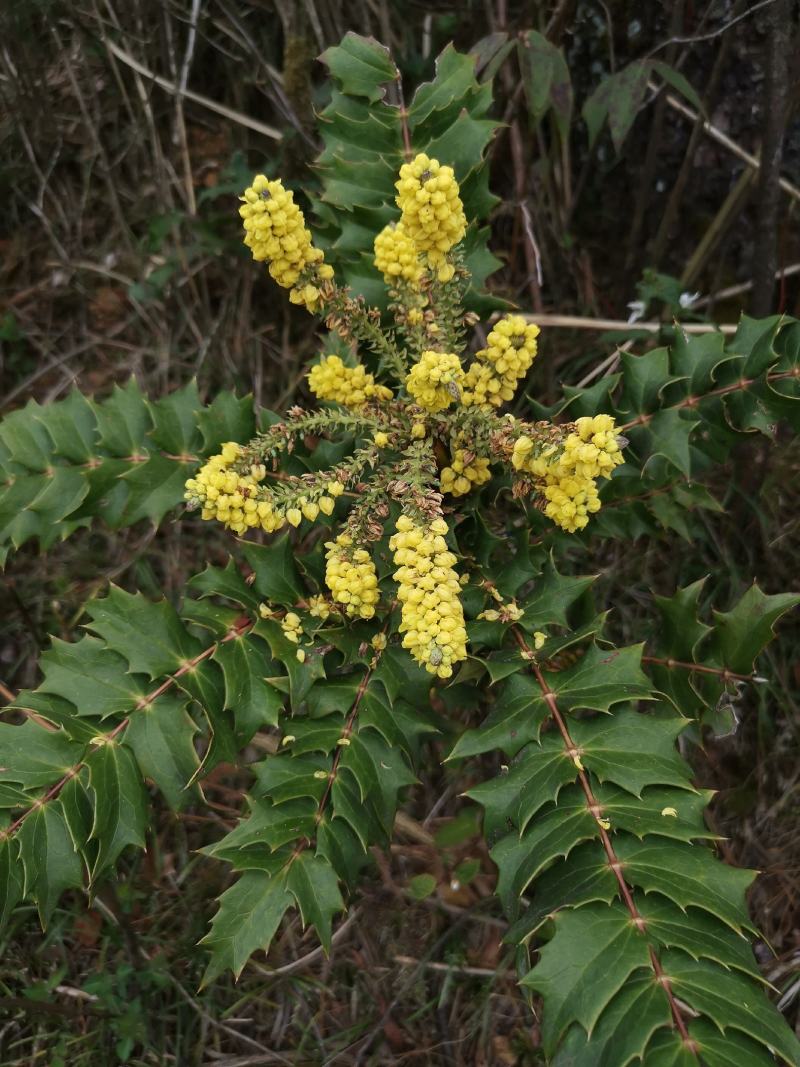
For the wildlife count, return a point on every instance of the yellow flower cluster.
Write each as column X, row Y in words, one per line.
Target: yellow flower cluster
column 462, row 476
column 330, row 379
column 350, row 576
column 396, row 256
column 275, row 232
column 292, row 626
column 434, row 380
column 229, row 497
column 433, row 215
column 432, row 618
column 570, row 486
column 493, row 377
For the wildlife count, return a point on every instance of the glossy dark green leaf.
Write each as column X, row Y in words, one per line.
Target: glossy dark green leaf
column 120, row 803
column 161, row 735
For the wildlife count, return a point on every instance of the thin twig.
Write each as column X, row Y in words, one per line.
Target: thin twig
column 189, row 94
column 577, row 322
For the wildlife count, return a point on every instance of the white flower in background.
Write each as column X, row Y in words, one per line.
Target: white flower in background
column 687, row 299
column 637, row 308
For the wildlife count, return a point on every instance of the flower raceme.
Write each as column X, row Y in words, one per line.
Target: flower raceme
column 397, row 257
column 569, row 477
column 498, row 369
column 434, row 380
column 350, row 576
column 465, row 472
column 428, row 589
column 352, row 387
column 275, row 232
column 432, row 212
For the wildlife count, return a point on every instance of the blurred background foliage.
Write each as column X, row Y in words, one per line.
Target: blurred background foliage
column 127, row 131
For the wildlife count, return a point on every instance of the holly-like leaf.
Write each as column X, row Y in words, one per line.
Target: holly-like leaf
column 175, row 429
column 740, row 634
column 520, row 858
column 361, row 65
column 664, row 812
column 552, row 596
column 601, row 678
column 632, row 749
column 34, row 756
column 313, row 883
column 147, row 633
column 594, row 952
column 623, row 1031
column 161, row 735
column 155, row 486
column 254, row 702
column 515, row 720
column 732, row 1001
column 11, row 880
column 248, row 916
column 688, row 875
column 123, row 420
column 227, row 418
column 120, row 803
column 50, row 862
column 513, row 798
column 93, row 677
column 276, row 578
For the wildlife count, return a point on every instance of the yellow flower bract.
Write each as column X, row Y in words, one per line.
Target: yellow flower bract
column 432, row 619
column 330, row 379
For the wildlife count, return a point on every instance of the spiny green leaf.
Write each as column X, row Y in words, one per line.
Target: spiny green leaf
column 94, row 678
column 688, row 875
column 314, row 885
column 556, row 833
column 174, row 417
column 730, row 1049
column 120, row 803
column 697, row 933
column 664, row 812
column 50, row 862
column 361, row 65
column 11, row 880
column 552, row 596
column 35, row 756
column 161, row 736
column 155, row 487
column 276, row 575
column 227, row 418
column 740, row 634
column 248, row 916
column 123, row 420
column 513, row 798
column 72, row 426
column 514, row 721
column 632, row 749
column 732, row 1001
column 594, row 952
column 147, row 633
column 227, row 582
column 254, row 702
column 601, row 678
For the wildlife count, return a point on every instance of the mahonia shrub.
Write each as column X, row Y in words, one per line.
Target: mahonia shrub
column 405, row 568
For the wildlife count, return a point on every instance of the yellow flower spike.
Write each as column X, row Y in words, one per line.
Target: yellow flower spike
column 350, row 576
column 434, row 380
column 397, row 257
column 494, row 376
column 275, row 232
column 432, row 212
column 352, row 387
column 432, row 618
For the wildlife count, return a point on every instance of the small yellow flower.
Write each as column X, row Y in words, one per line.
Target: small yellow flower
column 434, row 380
